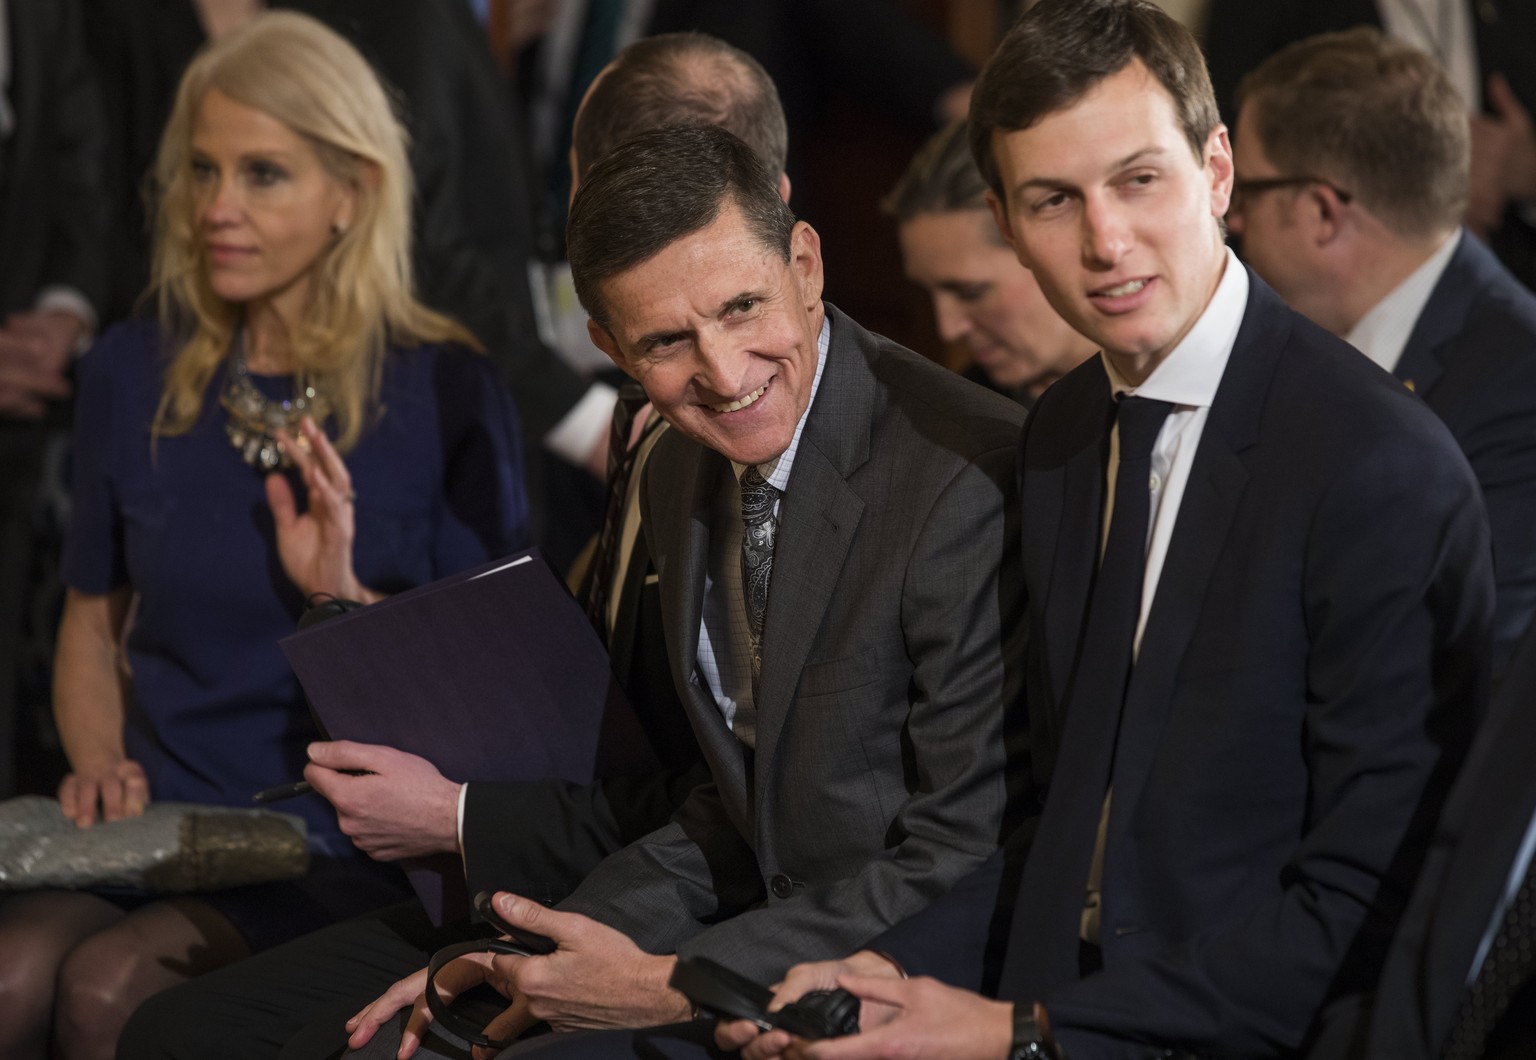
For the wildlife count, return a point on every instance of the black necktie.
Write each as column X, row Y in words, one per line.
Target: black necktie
column 1509, row 965
column 621, row 464
column 1044, row 950
column 1114, row 609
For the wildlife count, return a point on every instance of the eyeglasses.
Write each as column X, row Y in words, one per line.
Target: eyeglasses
column 1242, row 190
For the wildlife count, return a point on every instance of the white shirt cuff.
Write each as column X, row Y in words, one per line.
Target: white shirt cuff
column 68, row 300
column 577, row 434
column 459, row 828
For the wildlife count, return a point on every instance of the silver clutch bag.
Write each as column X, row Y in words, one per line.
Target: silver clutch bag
column 174, row 848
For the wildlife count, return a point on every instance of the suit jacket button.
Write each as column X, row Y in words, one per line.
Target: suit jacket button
column 781, row 886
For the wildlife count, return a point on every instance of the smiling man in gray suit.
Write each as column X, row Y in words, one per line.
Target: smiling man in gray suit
column 846, row 654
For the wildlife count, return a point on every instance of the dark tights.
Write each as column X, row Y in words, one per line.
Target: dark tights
column 75, row 966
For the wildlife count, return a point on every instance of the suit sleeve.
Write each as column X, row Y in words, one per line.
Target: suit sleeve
column 961, row 622
column 76, row 199
column 540, row 838
column 962, row 937
column 1397, row 594
column 1495, row 424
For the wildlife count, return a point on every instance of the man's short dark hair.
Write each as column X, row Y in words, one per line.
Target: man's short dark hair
column 941, row 178
column 1378, row 117
column 678, row 79
column 658, row 187
column 1059, row 50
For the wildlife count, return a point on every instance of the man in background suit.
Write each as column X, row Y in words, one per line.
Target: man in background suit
column 854, row 720
column 1351, row 154
column 52, row 280
column 1259, row 596
column 1489, row 50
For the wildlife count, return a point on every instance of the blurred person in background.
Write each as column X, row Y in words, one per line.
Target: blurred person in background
column 982, row 296
column 53, row 277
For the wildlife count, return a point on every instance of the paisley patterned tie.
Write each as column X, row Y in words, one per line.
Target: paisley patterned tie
column 758, row 501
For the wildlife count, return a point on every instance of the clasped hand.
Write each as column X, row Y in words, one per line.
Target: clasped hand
column 35, row 351
column 909, row 1018
column 596, row 978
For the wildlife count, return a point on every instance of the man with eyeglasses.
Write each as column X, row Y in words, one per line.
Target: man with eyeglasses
column 1351, row 153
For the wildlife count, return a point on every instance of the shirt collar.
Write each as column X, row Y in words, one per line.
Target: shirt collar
column 1383, row 332
column 1190, row 374
column 776, row 471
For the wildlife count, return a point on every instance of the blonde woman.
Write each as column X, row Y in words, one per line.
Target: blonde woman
column 295, row 422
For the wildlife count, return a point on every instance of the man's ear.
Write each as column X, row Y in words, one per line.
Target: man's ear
column 1218, row 163
column 805, row 260
column 1326, row 212
column 603, row 339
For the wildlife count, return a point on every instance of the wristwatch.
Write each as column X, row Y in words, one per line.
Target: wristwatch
column 1032, row 1038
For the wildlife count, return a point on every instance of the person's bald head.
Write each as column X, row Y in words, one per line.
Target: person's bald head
column 677, row 79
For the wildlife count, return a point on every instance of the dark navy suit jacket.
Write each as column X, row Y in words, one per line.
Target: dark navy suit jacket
column 1312, row 666
column 1472, row 358
column 1469, row 862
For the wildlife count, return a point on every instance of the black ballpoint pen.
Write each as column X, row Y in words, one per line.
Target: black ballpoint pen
column 301, row 787
column 284, row 791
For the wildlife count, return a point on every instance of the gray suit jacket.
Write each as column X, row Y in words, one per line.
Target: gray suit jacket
column 891, row 658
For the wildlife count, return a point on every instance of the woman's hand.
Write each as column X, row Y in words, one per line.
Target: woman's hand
column 316, row 546
column 120, row 790
column 88, row 698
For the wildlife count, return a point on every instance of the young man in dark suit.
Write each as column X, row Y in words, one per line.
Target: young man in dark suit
column 1352, row 154
column 1259, row 593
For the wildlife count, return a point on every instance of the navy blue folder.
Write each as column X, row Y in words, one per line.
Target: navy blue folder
column 490, row 674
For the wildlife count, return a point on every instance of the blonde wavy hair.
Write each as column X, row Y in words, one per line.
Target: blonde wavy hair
column 294, row 69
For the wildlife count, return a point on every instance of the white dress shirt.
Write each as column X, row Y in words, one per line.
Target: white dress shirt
column 1188, row 378
column 1383, row 332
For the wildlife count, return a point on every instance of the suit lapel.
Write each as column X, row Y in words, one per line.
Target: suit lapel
column 1075, row 555
column 1211, row 498
column 1443, row 318
column 679, row 516
column 818, row 518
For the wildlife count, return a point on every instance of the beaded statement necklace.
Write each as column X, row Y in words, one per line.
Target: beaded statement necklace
column 254, row 419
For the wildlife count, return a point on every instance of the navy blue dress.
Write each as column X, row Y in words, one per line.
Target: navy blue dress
column 214, row 712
